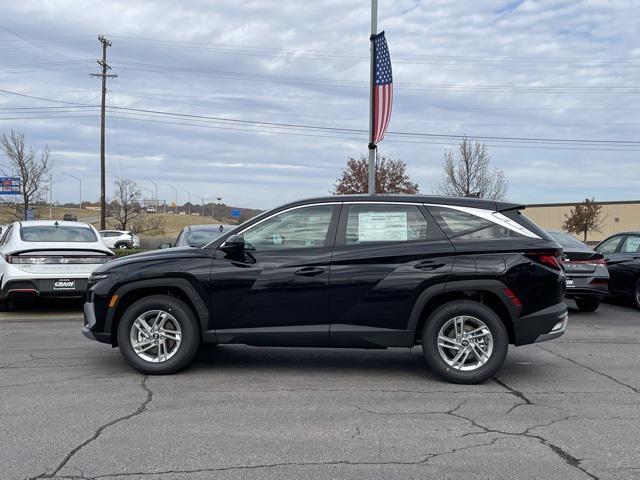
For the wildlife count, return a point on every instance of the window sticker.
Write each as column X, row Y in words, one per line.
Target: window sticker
column 382, row 226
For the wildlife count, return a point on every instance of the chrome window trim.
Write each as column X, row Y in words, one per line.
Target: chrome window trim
column 285, row 211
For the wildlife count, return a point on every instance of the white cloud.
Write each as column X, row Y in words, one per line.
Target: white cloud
column 475, row 44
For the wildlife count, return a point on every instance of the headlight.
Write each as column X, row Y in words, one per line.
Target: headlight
column 96, row 277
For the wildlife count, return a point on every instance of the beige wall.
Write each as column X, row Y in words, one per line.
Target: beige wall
column 551, row 217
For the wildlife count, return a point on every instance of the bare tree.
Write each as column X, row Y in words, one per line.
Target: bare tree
column 33, row 170
column 391, row 177
column 470, row 175
column 125, row 207
column 584, row 218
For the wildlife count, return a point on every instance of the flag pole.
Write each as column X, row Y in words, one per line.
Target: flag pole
column 372, row 146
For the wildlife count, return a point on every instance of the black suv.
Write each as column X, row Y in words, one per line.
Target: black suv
column 463, row 277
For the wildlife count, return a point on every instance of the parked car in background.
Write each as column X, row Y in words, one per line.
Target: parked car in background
column 196, row 236
column 622, row 254
column 586, row 271
column 70, row 217
column 48, row 258
column 462, row 277
column 120, row 239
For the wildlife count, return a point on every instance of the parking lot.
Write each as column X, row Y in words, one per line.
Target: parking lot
column 71, row 408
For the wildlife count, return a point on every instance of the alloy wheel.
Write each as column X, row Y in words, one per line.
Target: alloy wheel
column 155, row 336
column 465, row 343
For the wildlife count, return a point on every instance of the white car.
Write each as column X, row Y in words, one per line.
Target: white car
column 120, row 239
column 48, row 258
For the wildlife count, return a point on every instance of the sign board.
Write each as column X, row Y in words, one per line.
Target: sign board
column 9, row 185
column 382, row 226
column 235, row 213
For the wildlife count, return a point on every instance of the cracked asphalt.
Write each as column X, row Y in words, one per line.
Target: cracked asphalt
column 71, row 408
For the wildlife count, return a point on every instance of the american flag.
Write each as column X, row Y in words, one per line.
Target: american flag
column 383, row 88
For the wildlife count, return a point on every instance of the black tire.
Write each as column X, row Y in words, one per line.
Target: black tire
column 473, row 309
column 7, row 305
column 188, row 325
column 587, row 304
column 635, row 295
column 122, row 246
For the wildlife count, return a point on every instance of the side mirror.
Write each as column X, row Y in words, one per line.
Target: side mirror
column 165, row 245
column 233, row 244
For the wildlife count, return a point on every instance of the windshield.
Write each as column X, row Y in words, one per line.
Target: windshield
column 198, row 238
column 52, row 233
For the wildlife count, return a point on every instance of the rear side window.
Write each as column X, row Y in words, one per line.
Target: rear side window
column 467, row 226
column 385, row 223
column 51, row 233
column 610, row 245
column 631, row 245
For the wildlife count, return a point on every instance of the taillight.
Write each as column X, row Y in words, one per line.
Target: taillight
column 549, row 259
column 594, row 262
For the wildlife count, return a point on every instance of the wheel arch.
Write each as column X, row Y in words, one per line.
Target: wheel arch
column 487, row 292
column 176, row 287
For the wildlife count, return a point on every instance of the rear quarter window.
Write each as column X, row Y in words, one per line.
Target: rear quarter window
column 461, row 225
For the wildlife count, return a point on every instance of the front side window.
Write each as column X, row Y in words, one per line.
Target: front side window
column 305, row 227
column 631, row 245
column 385, row 223
column 610, row 245
column 461, row 225
column 53, row 233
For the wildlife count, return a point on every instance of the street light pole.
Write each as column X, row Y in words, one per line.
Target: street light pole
column 156, row 185
column 80, row 182
column 50, row 196
column 188, row 193
column 218, row 198
column 175, row 190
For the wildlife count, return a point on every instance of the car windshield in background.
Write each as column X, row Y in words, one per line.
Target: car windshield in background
column 566, row 240
column 52, row 233
column 199, row 238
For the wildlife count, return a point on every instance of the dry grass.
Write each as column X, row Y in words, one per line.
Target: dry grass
column 173, row 223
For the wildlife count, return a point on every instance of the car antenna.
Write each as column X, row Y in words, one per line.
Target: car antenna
column 56, row 223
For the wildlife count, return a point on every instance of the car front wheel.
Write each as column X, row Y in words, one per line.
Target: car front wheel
column 464, row 342
column 158, row 335
column 636, row 295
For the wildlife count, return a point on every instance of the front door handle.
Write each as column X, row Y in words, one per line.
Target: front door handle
column 428, row 265
column 309, row 271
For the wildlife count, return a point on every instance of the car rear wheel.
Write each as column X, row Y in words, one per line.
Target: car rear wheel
column 587, row 304
column 122, row 246
column 158, row 335
column 464, row 342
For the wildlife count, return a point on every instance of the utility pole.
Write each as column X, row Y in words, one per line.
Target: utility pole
column 50, row 196
column 202, row 214
column 104, row 75
column 217, row 198
column 188, row 193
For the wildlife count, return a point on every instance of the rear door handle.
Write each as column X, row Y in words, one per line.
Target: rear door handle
column 428, row 265
column 309, row 271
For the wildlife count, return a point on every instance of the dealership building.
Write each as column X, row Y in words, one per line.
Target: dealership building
column 616, row 217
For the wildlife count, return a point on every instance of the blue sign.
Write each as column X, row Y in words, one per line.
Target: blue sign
column 235, row 213
column 9, row 185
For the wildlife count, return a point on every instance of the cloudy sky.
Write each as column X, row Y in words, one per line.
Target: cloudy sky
column 216, row 97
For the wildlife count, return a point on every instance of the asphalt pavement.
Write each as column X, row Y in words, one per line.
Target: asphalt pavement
column 71, row 408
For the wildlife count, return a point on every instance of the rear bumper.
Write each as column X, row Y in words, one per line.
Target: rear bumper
column 542, row 325
column 586, row 286
column 45, row 287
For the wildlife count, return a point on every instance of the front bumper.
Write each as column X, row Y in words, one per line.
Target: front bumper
column 89, row 327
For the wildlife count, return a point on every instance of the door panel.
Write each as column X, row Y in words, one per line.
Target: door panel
column 624, row 266
column 276, row 292
column 374, row 285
